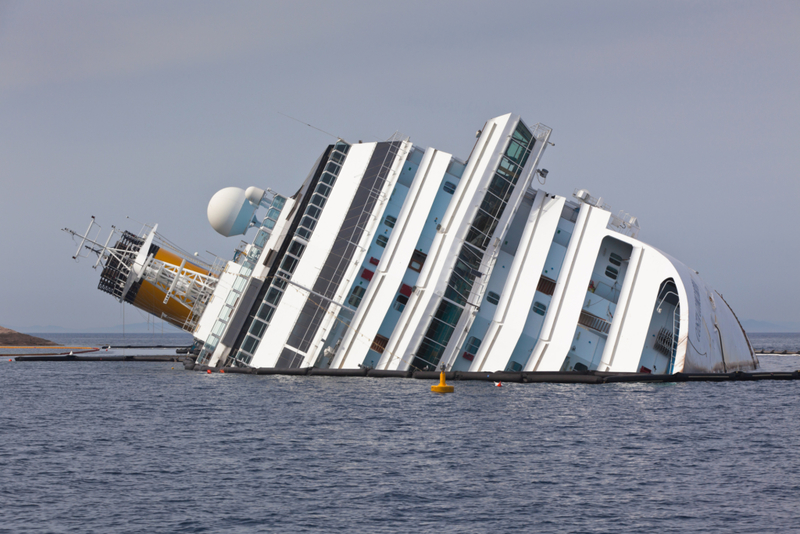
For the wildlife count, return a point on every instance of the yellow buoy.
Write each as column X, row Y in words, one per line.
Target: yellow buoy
column 442, row 387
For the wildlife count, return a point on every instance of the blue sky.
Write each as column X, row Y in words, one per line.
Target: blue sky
column 684, row 114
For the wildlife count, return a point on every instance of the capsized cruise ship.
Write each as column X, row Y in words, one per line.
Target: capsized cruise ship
column 393, row 256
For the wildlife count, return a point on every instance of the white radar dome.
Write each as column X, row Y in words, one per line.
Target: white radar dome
column 230, row 213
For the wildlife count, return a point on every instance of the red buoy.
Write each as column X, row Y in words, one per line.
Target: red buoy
column 208, row 371
column 222, row 370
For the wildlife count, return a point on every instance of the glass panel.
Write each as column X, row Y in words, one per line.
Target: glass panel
column 302, row 232
column 355, row 296
column 261, row 238
column 279, row 283
column 327, row 178
column 218, row 328
column 332, row 167
column 279, row 202
column 449, row 187
column 308, row 222
column 265, row 312
column 273, row 295
column 515, row 151
column 500, row 187
column 390, row 221
column 273, row 213
column 508, row 170
column 539, row 308
column 491, row 204
column 318, row 200
column 296, row 248
column 313, row 211
column 448, row 312
column 478, row 239
column 249, row 344
column 439, row 332
column 522, row 134
column 611, row 272
column 493, row 298
column 268, row 223
column 323, row 190
column 483, row 222
column 288, row 264
column 239, row 283
column 381, row 241
column 257, row 328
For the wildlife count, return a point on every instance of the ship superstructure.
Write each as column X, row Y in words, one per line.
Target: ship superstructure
column 396, row 257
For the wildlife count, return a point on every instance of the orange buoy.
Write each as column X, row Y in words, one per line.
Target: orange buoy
column 442, row 387
column 222, row 371
column 208, row 371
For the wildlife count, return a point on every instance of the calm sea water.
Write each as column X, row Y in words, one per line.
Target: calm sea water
column 148, row 447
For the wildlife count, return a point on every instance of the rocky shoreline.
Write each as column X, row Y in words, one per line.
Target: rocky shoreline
column 13, row 338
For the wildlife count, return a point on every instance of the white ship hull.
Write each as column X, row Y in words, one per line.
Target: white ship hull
column 397, row 257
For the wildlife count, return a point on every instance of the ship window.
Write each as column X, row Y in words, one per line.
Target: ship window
column 449, row 188
column 257, row 328
column 261, row 238
column 308, row 222
column 500, row 187
column 279, row 282
column 379, row 344
column 417, row 261
column 615, row 259
column 318, row 200
column 268, row 223
column 278, row 202
column 249, row 344
column 288, row 264
column 273, row 213
column 332, row 167
column 473, row 344
column 313, row 211
column 265, row 312
column 400, row 303
column 327, row 178
column 515, row 151
column 539, row 308
column 381, row 241
column 273, row 296
column 514, row 366
column 390, row 221
column 493, row 297
column 355, row 296
column 302, row 232
column 611, row 272
column 508, row 170
column 296, row 248
column 323, row 190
